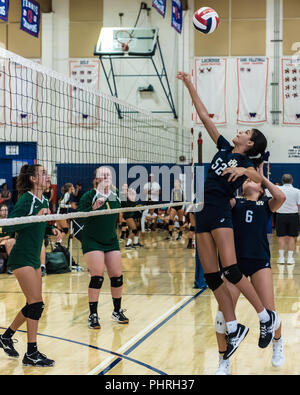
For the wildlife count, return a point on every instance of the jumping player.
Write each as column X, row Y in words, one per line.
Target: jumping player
column 230, row 167
column 251, row 215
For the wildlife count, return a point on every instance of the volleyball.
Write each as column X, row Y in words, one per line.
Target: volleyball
column 206, row 20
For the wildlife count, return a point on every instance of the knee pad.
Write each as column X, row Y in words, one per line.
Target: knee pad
column 123, row 224
column 220, row 324
column 35, row 310
column 24, row 311
column 192, row 228
column 65, row 230
column 213, row 280
column 180, row 223
column 232, row 273
column 135, row 232
column 171, row 222
column 96, row 282
column 116, row 282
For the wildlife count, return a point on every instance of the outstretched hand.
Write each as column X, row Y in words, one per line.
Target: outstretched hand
column 185, row 77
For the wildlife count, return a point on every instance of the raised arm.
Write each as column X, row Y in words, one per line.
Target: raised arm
column 200, row 108
column 278, row 197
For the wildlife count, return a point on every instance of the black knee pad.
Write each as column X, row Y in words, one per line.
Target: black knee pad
column 96, row 282
column 232, row 273
column 35, row 310
column 171, row 222
column 65, row 230
column 180, row 223
column 135, row 232
column 24, row 311
column 213, row 280
column 116, row 282
column 123, row 224
column 192, row 228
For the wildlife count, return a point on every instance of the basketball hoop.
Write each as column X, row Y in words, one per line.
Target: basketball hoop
column 124, row 37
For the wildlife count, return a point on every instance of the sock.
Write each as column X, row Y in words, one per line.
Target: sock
column 281, row 253
column 93, row 307
column 231, row 326
column 117, row 304
column 290, row 254
column 129, row 241
column 135, row 240
column 31, row 348
column 8, row 333
column 263, row 316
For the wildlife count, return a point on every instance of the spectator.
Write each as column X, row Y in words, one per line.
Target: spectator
column 287, row 220
column 7, row 240
column 5, row 195
column 151, row 190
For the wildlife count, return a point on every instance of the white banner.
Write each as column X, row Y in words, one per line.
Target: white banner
column 291, row 91
column 84, row 108
column 210, row 82
column 252, row 74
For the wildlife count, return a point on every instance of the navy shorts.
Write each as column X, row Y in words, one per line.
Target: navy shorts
column 211, row 217
column 250, row 266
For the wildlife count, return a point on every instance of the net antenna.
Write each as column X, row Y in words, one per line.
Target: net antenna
column 132, row 43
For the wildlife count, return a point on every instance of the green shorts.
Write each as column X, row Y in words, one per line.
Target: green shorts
column 89, row 245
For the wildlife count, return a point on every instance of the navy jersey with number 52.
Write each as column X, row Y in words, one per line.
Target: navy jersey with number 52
column 250, row 221
column 217, row 189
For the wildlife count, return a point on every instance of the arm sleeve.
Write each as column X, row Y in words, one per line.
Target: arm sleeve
column 85, row 203
column 21, row 209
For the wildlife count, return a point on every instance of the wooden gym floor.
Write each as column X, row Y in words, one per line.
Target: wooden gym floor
column 171, row 328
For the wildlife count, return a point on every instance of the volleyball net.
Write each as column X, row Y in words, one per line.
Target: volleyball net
column 72, row 129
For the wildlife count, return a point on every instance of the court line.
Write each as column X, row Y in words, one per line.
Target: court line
column 120, row 356
column 135, row 341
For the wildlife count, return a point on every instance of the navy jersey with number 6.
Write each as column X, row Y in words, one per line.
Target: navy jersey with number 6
column 217, row 189
column 250, row 221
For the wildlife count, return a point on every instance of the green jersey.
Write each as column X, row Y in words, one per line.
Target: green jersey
column 29, row 237
column 99, row 233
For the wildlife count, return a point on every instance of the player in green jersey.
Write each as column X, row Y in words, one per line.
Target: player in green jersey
column 100, row 244
column 24, row 261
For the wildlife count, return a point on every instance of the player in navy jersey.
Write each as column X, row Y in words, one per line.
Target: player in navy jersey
column 250, row 216
column 230, row 167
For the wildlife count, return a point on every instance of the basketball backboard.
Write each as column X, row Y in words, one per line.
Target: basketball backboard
column 131, row 41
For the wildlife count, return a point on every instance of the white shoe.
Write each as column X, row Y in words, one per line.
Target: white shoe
column 280, row 261
column 224, row 367
column 278, row 356
column 290, row 261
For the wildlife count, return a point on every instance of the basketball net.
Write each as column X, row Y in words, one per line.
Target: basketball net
column 124, row 37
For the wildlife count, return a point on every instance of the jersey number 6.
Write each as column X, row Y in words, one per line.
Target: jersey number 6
column 249, row 216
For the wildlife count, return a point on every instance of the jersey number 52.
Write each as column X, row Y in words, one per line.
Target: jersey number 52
column 219, row 166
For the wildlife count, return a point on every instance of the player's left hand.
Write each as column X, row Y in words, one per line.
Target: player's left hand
column 234, row 173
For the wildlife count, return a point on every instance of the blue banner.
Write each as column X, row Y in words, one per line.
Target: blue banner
column 4, row 6
column 160, row 6
column 176, row 21
column 30, row 17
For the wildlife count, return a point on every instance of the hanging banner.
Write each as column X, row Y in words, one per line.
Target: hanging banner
column 160, row 6
column 30, row 17
column 291, row 91
column 176, row 21
column 4, row 6
column 84, row 107
column 252, row 74
column 210, row 81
